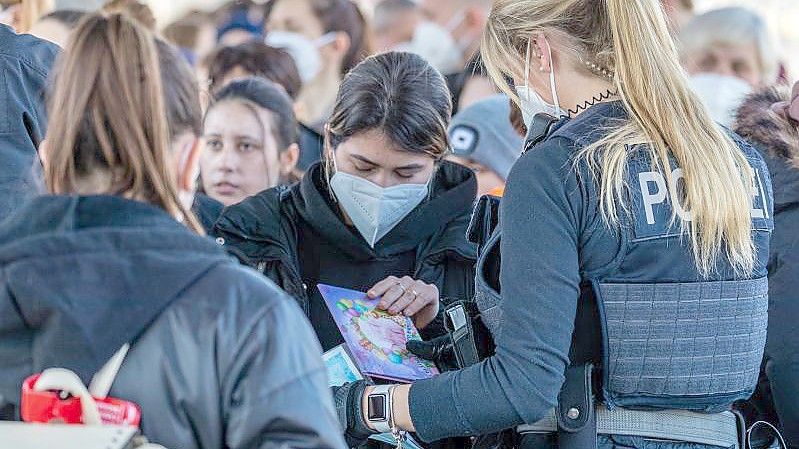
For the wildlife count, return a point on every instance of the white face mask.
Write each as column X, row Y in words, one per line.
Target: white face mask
column 375, row 210
column 304, row 51
column 436, row 45
column 722, row 95
column 532, row 102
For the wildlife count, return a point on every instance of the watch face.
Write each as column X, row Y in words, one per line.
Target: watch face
column 377, row 407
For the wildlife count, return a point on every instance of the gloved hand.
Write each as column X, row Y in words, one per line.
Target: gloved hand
column 439, row 350
column 348, row 399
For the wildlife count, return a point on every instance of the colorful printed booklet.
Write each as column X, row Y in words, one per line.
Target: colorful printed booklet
column 341, row 370
column 376, row 339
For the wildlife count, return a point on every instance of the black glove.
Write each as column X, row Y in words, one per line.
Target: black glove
column 348, row 399
column 439, row 350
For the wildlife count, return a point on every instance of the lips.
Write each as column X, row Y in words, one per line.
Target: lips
column 226, row 188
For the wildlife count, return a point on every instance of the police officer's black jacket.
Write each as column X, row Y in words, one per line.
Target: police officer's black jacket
column 297, row 237
column 778, row 141
column 220, row 357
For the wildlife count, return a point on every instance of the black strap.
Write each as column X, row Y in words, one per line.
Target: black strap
column 576, row 410
column 471, row 340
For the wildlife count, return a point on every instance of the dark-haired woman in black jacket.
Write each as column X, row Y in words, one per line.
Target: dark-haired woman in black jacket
column 383, row 213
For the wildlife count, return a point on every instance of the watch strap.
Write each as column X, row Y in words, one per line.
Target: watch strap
column 379, row 408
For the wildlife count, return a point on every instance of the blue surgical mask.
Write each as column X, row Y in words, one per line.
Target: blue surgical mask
column 375, row 210
column 531, row 102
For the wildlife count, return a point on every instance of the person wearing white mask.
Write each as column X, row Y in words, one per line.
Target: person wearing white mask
column 384, row 213
column 728, row 52
column 394, row 23
column 326, row 38
column 733, row 42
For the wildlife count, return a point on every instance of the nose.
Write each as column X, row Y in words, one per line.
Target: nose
column 384, row 179
column 724, row 69
column 228, row 160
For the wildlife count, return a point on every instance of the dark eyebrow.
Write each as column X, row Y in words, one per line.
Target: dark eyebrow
column 410, row 167
column 403, row 168
column 363, row 159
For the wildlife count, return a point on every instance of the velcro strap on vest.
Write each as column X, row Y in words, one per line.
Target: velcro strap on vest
column 720, row 429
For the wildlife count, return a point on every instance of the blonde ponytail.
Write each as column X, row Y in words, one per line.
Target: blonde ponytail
column 717, row 187
column 631, row 40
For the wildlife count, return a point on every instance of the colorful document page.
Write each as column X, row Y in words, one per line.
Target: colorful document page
column 376, row 339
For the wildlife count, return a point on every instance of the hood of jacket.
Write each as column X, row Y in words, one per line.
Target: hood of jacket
column 776, row 138
column 81, row 276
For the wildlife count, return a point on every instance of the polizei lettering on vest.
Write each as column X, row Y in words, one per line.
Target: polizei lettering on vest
column 654, row 191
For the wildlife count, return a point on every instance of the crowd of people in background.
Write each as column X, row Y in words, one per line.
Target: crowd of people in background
column 314, row 144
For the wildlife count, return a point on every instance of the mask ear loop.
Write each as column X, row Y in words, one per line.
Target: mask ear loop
column 552, row 85
column 332, row 155
column 527, row 68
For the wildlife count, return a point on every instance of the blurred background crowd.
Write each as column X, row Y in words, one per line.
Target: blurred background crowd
column 730, row 47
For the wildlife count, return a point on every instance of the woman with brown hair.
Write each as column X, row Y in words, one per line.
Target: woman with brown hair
column 327, row 38
column 114, row 257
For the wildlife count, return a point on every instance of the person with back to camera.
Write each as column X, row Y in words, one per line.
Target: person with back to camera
column 114, row 257
column 633, row 237
column 383, row 213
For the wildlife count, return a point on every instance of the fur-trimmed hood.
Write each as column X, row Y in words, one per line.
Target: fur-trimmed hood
column 776, row 138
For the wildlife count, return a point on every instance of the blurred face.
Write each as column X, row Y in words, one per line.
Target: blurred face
column 487, row 180
column 51, row 30
column 398, row 30
column 439, row 11
column 738, row 61
column 295, row 16
column 241, row 156
column 372, row 156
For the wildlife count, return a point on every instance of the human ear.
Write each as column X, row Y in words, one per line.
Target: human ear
column 289, row 159
column 188, row 167
column 339, row 47
column 541, row 53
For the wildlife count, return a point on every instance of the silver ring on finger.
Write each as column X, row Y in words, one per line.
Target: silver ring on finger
column 415, row 293
column 403, row 287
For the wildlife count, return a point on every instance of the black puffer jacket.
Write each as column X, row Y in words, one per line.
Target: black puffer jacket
column 276, row 230
column 220, row 357
column 778, row 141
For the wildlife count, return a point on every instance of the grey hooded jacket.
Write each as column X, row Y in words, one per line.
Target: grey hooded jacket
column 220, row 357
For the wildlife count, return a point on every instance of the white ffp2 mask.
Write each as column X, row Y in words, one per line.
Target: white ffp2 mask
column 375, row 210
